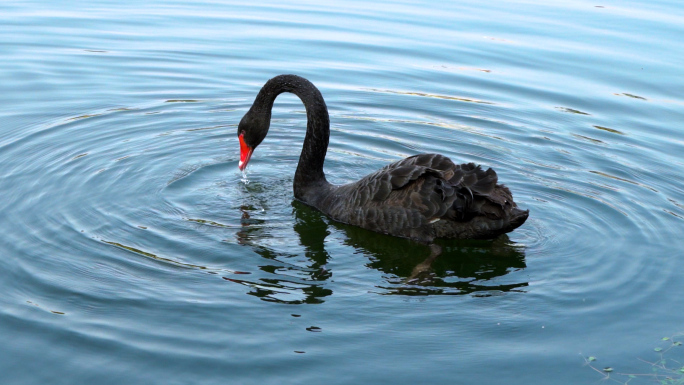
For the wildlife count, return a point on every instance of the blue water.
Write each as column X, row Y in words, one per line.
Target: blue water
column 133, row 251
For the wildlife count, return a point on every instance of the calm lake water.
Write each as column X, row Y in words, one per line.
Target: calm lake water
column 135, row 252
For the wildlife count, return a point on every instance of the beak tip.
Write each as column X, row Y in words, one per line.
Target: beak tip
column 245, row 153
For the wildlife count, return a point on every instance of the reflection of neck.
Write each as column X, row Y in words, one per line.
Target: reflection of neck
column 310, row 168
column 312, row 231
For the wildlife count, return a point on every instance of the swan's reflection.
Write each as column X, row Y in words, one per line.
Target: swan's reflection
column 480, row 268
column 287, row 282
column 463, row 267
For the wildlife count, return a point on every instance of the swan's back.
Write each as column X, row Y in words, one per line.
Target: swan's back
column 424, row 197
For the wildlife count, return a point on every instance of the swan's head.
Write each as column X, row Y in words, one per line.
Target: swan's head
column 251, row 132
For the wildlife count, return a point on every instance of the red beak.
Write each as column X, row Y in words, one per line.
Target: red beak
column 245, row 153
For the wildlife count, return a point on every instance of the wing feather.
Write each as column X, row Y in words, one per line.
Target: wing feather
column 407, row 196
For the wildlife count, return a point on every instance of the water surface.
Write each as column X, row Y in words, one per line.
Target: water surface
column 134, row 251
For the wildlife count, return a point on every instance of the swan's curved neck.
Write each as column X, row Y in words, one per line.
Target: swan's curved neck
column 309, row 173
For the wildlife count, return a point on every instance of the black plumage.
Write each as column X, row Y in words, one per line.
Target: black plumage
column 422, row 197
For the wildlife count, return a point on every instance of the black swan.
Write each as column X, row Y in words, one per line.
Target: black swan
column 422, row 197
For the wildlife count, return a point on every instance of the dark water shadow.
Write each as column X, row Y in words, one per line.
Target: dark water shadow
column 464, row 267
column 288, row 283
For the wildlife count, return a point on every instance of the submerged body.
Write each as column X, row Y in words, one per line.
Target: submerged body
column 422, row 197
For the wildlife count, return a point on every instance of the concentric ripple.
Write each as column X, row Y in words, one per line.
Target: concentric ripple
column 157, row 184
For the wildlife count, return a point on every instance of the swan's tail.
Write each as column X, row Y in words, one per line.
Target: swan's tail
column 517, row 218
column 481, row 226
